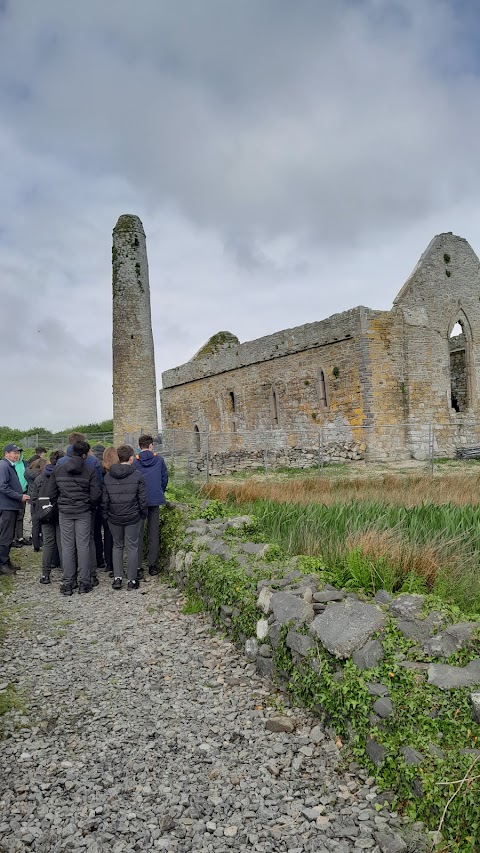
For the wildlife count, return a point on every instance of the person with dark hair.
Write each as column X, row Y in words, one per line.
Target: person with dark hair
column 75, row 490
column 98, row 451
column 40, row 453
column 124, row 504
column 48, row 519
column 12, row 498
column 32, row 471
column 152, row 467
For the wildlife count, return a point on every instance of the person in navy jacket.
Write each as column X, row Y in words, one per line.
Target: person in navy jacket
column 154, row 471
column 12, row 499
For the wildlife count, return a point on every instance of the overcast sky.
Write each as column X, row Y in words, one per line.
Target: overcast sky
column 289, row 160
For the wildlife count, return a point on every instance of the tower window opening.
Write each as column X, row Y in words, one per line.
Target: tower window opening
column 274, row 407
column 460, row 390
column 196, row 439
column 322, row 390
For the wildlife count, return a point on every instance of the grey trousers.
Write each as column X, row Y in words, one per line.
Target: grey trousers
column 153, row 520
column 75, row 539
column 125, row 536
column 51, row 538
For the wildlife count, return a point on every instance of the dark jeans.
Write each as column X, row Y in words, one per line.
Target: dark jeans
column 8, row 520
column 36, row 530
column 19, row 522
column 108, row 545
column 153, row 520
column 51, row 546
column 97, row 535
column 75, row 540
column 125, row 536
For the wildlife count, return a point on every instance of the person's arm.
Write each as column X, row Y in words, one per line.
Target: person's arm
column 142, row 497
column 105, row 501
column 53, row 491
column 6, row 488
column 95, row 490
column 164, row 472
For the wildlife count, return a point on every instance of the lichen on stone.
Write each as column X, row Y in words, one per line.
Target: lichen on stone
column 128, row 222
column 218, row 342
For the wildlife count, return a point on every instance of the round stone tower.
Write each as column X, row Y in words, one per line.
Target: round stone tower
column 134, row 385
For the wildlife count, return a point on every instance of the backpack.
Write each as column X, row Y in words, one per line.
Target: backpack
column 46, row 511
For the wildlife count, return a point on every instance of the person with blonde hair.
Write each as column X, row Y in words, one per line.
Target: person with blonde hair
column 109, row 458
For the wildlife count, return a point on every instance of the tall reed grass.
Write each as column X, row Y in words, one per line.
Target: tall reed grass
column 401, row 539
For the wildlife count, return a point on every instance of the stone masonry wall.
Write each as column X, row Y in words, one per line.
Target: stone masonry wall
column 134, row 383
column 386, row 374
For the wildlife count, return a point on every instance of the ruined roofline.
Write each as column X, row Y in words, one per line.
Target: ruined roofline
column 447, row 238
column 331, row 330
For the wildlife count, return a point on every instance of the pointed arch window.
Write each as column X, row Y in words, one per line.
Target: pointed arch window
column 460, row 362
column 196, row 439
column 323, row 395
column 233, row 409
column 274, row 406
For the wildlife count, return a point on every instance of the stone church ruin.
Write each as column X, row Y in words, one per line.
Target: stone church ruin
column 360, row 384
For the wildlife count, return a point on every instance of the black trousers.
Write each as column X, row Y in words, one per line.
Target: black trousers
column 97, row 536
column 19, row 522
column 153, row 538
column 8, row 520
column 36, row 530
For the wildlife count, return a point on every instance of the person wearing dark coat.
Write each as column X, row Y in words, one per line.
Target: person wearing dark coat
column 12, row 499
column 153, row 469
column 74, row 488
column 98, row 451
column 32, row 471
column 124, row 504
column 52, row 548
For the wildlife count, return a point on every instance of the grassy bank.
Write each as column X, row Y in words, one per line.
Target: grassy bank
column 375, row 544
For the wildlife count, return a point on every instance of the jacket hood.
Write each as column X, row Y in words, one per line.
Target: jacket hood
column 147, row 458
column 74, row 465
column 120, row 471
column 48, row 469
column 69, row 450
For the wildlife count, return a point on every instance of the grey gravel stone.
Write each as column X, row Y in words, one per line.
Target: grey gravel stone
column 411, row 756
column 475, row 702
column 300, row 643
column 375, row 751
column 451, row 640
column 144, row 730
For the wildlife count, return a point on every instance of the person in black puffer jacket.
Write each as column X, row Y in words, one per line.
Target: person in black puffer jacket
column 124, row 504
column 50, row 529
column 75, row 489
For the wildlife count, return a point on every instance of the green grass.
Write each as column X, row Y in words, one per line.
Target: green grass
column 372, row 545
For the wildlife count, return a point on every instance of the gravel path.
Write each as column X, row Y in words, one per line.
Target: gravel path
column 143, row 729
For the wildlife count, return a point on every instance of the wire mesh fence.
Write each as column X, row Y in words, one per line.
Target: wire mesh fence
column 204, row 454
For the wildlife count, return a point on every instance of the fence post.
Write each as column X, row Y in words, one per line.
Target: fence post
column 430, row 448
column 320, row 451
column 207, row 458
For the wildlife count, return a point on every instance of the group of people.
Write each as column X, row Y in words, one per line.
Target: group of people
column 89, row 507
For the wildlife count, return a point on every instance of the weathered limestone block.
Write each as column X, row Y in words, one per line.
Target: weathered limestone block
column 451, row 640
column 451, row 677
column 369, row 655
column 264, row 601
column 407, row 605
column 299, row 643
column 346, row 626
column 290, row 608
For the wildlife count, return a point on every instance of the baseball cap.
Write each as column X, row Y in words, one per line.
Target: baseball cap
column 9, row 448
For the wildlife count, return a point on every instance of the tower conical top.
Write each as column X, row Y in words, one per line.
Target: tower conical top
column 128, row 222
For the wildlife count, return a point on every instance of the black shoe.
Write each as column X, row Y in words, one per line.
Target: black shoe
column 45, row 579
column 153, row 570
column 101, row 566
column 17, row 543
column 94, row 580
column 6, row 570
column 26, row 540
column 111, row 574
column 37, row 550
column 84, row 588
column 117, row 583
column 133, row 585
column 66, row 589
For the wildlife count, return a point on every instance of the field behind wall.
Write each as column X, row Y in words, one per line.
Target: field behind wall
column 395, row 531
